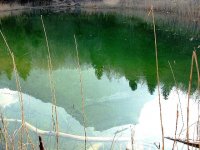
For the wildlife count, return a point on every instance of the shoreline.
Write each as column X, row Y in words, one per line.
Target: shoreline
column 183, row 20
column 101, row 6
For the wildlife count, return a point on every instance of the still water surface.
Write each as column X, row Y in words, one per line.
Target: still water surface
column 116, row 54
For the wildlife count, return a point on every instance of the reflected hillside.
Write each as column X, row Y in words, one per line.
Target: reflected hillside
column 117, row 61
column 112, row 45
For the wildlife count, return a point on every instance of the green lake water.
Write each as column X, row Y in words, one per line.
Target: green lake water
column 117, row 59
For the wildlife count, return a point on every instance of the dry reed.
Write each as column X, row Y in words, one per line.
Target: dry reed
column 194, row 58
column 175, row 133
column 52, row 86
column 132, row 137
column 18, row 86
column 180, row 105
column 112, row 144
column 19, row 95
column 188, row 101
column 176, row 86
column 157, row 75
column 81, row 90
column 5, row 132
column 198, row 76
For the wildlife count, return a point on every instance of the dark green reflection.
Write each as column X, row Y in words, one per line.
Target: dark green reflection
column 107, row 42
column 113, row 45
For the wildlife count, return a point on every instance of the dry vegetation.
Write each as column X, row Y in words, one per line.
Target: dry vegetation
column 13, row 6
column 178, row 6
column 173, row 6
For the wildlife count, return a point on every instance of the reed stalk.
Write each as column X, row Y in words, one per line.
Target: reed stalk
column 18, row 86
column 175, row 133
column 157, row 75
column 52, row 86
column 81, row 90
column 177, row 112
column 188, row 101
column 112, row 144
column 197, row 68
column 176, row 86
column 180, row 105
column 132, row 137
column 5, row 132
column 19, row 94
